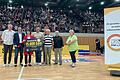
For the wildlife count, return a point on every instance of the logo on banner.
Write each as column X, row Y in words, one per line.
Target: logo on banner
column 113, row 42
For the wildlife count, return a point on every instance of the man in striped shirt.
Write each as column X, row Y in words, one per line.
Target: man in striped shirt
column 48, row 43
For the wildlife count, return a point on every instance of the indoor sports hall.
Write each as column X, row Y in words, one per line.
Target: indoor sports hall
column 59, row 39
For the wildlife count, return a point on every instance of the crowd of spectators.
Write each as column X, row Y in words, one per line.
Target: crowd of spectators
column 30, row 17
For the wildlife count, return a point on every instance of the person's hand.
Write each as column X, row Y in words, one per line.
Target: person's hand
column 23, row 41
column 69, row 42
column 15, row 45
column 1, row 41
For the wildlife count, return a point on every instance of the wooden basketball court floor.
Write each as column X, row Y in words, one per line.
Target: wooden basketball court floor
column 82, row 71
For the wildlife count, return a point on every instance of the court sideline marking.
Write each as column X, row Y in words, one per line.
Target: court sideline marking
column 21, row 72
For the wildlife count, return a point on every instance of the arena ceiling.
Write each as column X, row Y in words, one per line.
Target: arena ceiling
column 65, row 4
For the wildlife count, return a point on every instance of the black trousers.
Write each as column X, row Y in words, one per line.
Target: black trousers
column 73, row 57
column 17, row 50
column 27, row 58
column 7, row 49
column 38, row 56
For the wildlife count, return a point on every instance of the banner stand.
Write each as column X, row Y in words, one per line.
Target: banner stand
column 112, row 40
column 114, row 71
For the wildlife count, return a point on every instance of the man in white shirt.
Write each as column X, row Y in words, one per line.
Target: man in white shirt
column 7, row 38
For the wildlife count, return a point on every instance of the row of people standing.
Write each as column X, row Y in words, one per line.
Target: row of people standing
column 17, row 39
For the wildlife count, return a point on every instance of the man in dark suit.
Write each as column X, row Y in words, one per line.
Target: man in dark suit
column 18, row 44
column 58, row 44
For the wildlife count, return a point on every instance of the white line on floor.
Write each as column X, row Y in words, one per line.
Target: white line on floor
column 21, row 72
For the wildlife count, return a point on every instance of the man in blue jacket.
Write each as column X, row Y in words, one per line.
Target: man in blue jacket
column 18, row 44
